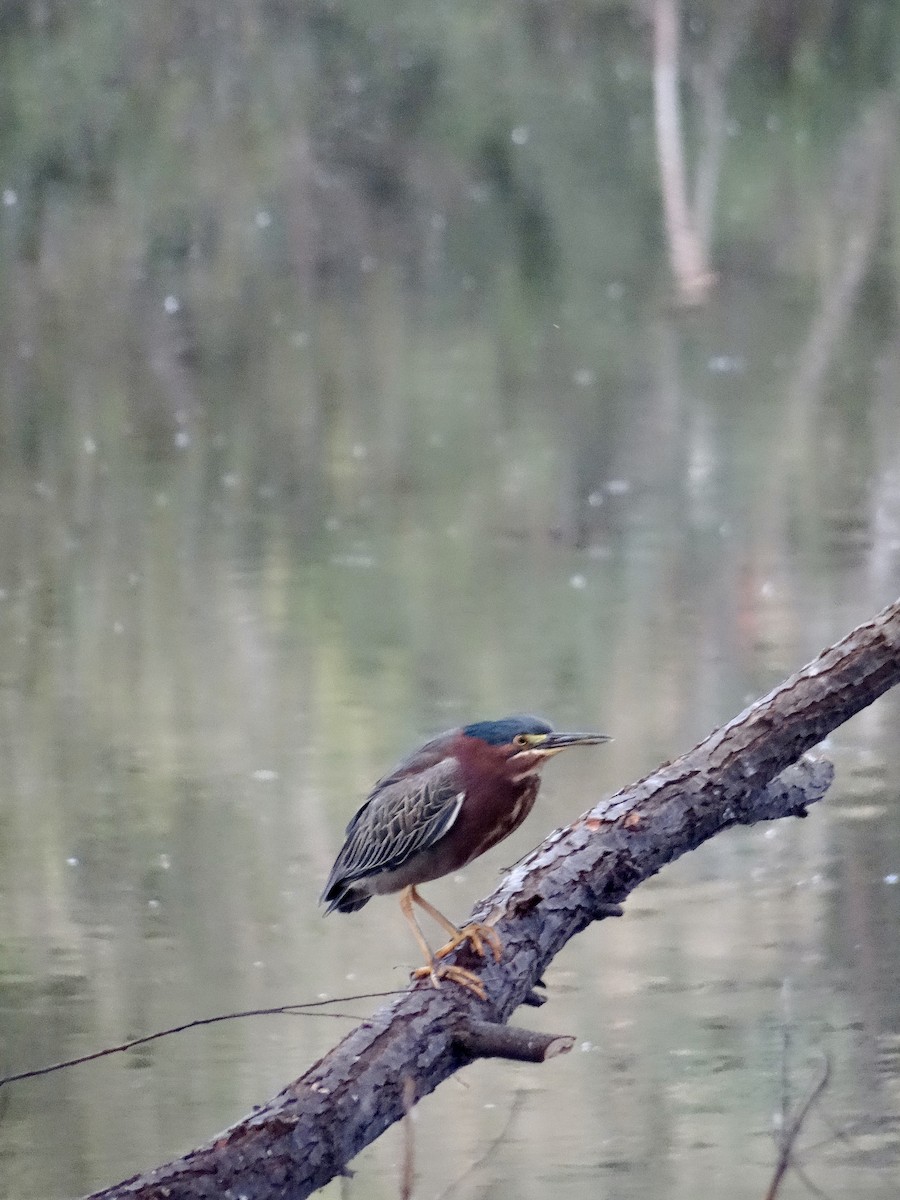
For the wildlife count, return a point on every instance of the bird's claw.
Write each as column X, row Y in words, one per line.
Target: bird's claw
column 476, row 933
column 438, row 971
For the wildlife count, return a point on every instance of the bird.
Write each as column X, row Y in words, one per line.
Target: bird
column 445, row 804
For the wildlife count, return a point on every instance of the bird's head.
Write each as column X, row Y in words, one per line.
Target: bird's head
column 520, row 745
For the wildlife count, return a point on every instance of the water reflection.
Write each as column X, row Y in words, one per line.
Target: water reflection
column 310, row 451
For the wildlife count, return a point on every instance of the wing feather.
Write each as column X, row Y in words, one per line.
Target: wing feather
column 402, row 817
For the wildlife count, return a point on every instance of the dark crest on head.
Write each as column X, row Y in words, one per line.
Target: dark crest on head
column 501, row 733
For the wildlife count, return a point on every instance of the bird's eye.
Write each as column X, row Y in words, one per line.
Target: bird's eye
column 520, row 740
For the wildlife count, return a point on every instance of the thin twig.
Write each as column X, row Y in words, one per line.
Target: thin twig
column 786, row 1038
column 792, row 1131
column 291, row 1010
column 864, row 1124
column 514, row 1110
column 408, row 1170
column 808, row 1183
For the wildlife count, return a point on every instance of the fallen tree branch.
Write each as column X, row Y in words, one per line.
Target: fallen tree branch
column 308, row 1133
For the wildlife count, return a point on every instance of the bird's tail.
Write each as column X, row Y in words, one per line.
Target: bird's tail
column 344, row 897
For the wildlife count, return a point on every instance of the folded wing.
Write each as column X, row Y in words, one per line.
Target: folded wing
column 402, row 817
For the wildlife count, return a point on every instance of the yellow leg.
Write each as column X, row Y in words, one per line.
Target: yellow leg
column 432, row 971
column 475, row 932
column 406, row 907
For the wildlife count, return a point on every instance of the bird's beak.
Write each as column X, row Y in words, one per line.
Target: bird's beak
column 553, row 743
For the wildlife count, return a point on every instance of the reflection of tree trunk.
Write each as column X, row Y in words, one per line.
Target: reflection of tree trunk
column 689, row 227
column 687, row 253
column 20, row 336
column 306, row 1135
column 884, row 477
column 709, row 83
column 859, row 194
column 857, row 203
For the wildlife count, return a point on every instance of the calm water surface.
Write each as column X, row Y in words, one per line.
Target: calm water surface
column 191, row 714
column 305, row 457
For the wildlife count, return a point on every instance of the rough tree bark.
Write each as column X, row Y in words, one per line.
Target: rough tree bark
column 306, row 1135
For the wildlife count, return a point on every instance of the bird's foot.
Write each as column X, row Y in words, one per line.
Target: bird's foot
column 438, row 971
column 476, row 933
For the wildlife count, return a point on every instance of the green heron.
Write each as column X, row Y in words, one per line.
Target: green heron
column 447, row 803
